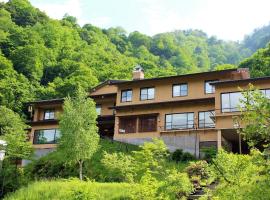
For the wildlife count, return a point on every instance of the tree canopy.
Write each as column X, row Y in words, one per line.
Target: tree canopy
column 46, row 58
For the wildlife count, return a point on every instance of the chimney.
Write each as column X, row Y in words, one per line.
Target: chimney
column 241, row 73
column 138, row 73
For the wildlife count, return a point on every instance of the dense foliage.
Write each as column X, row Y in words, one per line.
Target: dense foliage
column 12, row 130
column 45, row 58
column 73, row 189
column 78, row 130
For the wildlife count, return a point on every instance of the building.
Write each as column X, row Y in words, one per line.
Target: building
column 188, row 112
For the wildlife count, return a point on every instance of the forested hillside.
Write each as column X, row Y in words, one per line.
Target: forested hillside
column 43, row 58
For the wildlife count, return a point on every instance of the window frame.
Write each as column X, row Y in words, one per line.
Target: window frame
column 179, row 84
column 209, row 81
column 230, row 109
column 147, row 88
column 98, row 106
column 128, row 117
column 187, row 124
column 140, row 127
column 126, row 90
column 204, row 111
column 50, row 110
column 54, row 140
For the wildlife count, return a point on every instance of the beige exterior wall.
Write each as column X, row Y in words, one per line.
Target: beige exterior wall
column 163, row 88
column 106, row 103
column 39, row 111
column 42, row 127
column 162, row 111
column 106, row 89
column 227, row 120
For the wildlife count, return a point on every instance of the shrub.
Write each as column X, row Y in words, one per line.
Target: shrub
column 120, row 167
column 176, row 185
column 244, row 177
column 187, row 157
column 53, row 165
column 179, row 156
column 209, row 153
column 199, row 169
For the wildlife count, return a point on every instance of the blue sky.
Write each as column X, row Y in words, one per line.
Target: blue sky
column 227, row 19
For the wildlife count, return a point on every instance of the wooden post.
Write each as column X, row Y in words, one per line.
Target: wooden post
column 219, row 146
column 240, row 143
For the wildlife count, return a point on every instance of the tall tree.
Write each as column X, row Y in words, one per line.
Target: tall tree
column 79, row 133
column 255, row 116
column 12, row 130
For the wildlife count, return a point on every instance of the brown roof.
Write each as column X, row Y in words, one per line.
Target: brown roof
column 241, row 80
column 176, row 76
column 107, row 82
column 46, row 101
column 212, row 99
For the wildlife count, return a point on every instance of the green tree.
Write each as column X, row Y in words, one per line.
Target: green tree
column 225, row 66
column 12, row 130
column 258, row 63
column 79, row 134
column 255, row 115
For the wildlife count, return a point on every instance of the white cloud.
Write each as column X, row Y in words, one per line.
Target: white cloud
column 230, row 19
column 58, row 10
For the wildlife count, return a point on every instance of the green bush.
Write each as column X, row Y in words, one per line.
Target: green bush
column 242, row 177
column 187, row 157
column 53, row 165
column 73, row 190
column 120, row 167
column 198, row 169
column 12, row 177
column 179, row 156
column 209, row 153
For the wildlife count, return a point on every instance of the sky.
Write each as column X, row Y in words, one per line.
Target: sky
column 226, row 19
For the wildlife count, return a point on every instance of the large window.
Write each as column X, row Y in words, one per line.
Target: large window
column 208, row 88
column 206, row 119
column 180, row 90
column 127, row 124
column 46, row 136
column 147, row 123
column 126, row 95
column 179, row 121
column 98, row 109
column 230, row 102
column 49, row 114
column 147, row 93
column 266, row 92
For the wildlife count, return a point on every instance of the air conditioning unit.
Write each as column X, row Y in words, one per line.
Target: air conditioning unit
column 30, row 109
column 122, row 131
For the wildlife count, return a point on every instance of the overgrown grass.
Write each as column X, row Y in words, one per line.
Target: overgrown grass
column 73, row 189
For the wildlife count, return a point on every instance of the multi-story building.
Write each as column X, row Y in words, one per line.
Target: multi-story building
column 187, row 111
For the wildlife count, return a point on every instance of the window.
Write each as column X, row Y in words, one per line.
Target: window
column 147, row 123
column 205, row 120
column 49, row 114
column 147, row 93
column 231, row 101
column 180, row 90
column 266, row 92
column 126, row 95
column 208, row 88
column 179, row 121
column 98, row 109
column 127, row 125
column 46, row 136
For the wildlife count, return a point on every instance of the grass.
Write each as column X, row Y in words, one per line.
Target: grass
column 72, row 189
